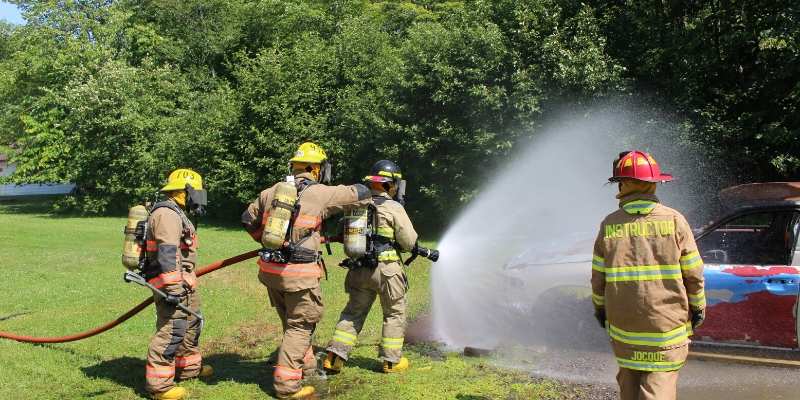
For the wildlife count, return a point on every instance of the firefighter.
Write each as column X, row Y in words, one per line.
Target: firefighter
column 171, row 254
column 292, row 274
column 647, row 282
column 378, row 274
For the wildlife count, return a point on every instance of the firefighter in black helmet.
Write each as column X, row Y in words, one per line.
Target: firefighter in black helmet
column 383, row 277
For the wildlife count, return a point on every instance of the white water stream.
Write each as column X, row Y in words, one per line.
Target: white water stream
column 513, row 272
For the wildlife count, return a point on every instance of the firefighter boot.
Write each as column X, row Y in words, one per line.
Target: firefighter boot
column 206, row 371
column 307, row 392
column 176, row 393
column 333, row 363
column 399, row 366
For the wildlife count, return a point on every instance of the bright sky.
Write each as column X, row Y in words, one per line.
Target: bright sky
column 10, row 13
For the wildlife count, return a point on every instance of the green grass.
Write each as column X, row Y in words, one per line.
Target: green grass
column 63, row 275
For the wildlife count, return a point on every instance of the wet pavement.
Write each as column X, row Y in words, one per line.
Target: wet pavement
column 699, row 380
column 585, row 361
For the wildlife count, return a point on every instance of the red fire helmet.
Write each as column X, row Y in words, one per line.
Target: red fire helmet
column 638, row 165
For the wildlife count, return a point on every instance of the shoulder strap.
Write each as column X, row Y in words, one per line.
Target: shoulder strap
column 378, row 200
column 303, row 184
column 188, row 227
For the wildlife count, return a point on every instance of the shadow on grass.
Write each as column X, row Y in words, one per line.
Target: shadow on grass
column 43, row 208
column 129, row 371
column 365, row 363
column 14, row 315
column 32, row 206
column 226, row 218
column 125, row 371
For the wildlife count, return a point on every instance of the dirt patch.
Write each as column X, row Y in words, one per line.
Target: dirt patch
column 240, row 279
column 586, row 392
column 249, row 341
column 420, row 330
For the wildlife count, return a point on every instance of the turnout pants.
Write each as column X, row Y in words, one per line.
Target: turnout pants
column 642, row 385
column 299, row 311
column 174, row 348
column 387, row 282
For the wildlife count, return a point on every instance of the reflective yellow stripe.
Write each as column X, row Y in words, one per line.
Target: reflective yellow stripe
column 599, row 264
column 689, row 255
column 389, row 255
column 392, row 343
column 651, row 366
column 390, row 174
column 698, row 300
column 598, row 300
column 655, row 339
column 385, row 231
column 344, row 337
column 639, row 207
column 691, row 260
column 643, row 273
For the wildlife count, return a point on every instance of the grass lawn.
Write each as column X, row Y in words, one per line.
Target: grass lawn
column 63, row 275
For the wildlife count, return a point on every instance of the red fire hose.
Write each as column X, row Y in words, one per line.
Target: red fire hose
column 133, row 311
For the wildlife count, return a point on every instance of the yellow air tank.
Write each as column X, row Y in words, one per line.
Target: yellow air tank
column 280, row 215
column 355, row 232
column 132, row 248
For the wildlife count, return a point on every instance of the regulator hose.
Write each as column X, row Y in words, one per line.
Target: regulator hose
column 133, row 311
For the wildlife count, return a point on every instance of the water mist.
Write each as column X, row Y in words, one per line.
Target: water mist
column 514, row 272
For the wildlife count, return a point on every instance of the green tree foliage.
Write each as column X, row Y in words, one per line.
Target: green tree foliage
column 112, row 95
column 732, row 68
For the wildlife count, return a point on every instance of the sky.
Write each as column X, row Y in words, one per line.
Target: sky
column 10, row 13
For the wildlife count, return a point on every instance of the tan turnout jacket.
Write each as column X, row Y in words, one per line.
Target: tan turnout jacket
column 171, row 250
column 317, row 202
column 647, row 273
column 393, row 223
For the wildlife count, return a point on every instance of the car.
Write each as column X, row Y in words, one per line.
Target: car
column 752, row 277
column 752, row 267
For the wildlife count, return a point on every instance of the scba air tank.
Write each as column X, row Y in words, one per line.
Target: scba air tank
column 355, row 232
column 280, row 215
column 134, row 236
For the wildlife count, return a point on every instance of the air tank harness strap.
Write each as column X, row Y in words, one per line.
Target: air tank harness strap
column 188, row 230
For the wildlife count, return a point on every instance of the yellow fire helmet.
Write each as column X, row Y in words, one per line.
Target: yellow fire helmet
column 181, row 177
column 309, row 153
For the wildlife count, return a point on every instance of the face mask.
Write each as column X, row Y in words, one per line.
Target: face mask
column 325, row 173
column 197, row 200
column 400, row 196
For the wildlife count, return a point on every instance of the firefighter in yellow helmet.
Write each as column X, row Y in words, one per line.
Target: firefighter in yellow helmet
column 292, row 273
column 647, row 282
column 378, row 274
column 171, row 251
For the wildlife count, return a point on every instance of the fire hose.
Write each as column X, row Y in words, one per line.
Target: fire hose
column 133, row 311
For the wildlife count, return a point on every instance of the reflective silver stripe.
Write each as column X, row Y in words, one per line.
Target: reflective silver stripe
column 344, row 337
column 654, row 339
column 652, row 366
column 643, row 273
column 392, row 343
column 639, row 207
column 598, row 263
column 691, row 260
column 698, row 300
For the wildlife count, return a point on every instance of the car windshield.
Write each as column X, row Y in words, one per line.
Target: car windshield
column 762, row 238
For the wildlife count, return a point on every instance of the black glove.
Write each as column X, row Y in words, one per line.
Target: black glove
column 697, row 318
column 600, row 314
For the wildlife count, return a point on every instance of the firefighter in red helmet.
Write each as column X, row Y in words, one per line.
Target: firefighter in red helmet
column 647, row 282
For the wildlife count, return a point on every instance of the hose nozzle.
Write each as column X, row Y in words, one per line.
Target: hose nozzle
column 430, row 254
